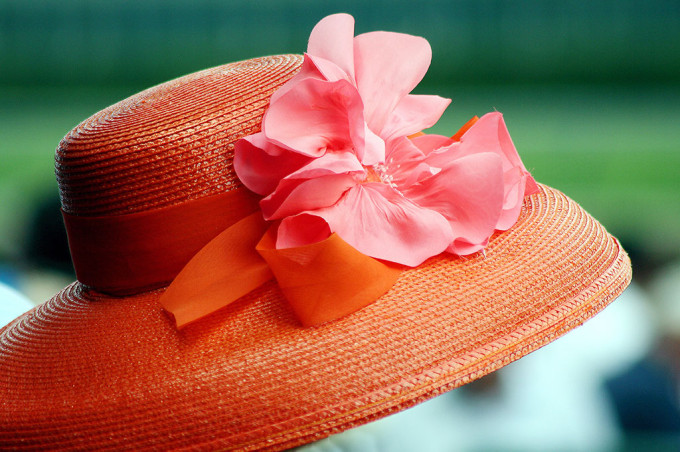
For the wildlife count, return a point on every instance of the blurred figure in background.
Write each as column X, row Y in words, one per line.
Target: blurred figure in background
column 45, row 252
column 646, row 395
column 44, row 263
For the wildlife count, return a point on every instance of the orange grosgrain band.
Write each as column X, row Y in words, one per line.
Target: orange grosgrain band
column 127, row 254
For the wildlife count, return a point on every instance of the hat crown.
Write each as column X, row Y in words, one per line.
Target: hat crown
column 168, row 144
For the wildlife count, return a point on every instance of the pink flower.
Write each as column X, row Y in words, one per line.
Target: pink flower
column 333, row 155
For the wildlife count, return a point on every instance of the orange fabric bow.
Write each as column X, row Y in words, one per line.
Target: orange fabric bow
column 322, row 282
column 214, row 250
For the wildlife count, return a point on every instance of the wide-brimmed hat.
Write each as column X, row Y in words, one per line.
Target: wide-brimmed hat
column 268, row 252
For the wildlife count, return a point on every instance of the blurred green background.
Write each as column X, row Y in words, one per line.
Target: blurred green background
column 590, row 90
column 590, row 93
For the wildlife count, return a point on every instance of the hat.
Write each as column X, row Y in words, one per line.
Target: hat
column 269, row 252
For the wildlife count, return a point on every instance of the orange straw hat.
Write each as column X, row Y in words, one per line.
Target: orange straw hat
column 391, row 267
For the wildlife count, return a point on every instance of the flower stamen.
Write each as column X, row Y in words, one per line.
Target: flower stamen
column 378, row 173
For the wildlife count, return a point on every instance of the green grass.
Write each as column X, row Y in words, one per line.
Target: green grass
column 615, row 150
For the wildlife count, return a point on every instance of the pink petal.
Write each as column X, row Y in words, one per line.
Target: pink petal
column 260, row 165
column 308, row 70
column 414, row 113
column 315, row 116
column 429, row 142
column 489, row 134
column 298, row 195
column 327, row 70
column 387, row 67
column 517, row 183
column 330, row 163
column 300, row 230
column 318, row 184
column 372, row 150
column 330, row 54
column 469, row 193
column 333, row 39
column 378, row 222
column 405, row 163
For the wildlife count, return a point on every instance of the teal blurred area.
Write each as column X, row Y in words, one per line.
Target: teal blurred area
column 113, row 42
column 590, row 92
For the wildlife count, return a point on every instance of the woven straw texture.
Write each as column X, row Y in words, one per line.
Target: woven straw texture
column 171, row 143
column 86, row 370
column 89, row 371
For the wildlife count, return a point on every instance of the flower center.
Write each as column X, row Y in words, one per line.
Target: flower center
column 378, row 173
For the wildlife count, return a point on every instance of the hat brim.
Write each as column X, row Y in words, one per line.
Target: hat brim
column 88, row 370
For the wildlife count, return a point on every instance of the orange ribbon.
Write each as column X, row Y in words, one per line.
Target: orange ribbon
column 327, row 280
column 321, row 282
column 224, row 270
column 465, row 128
column 214, row 250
